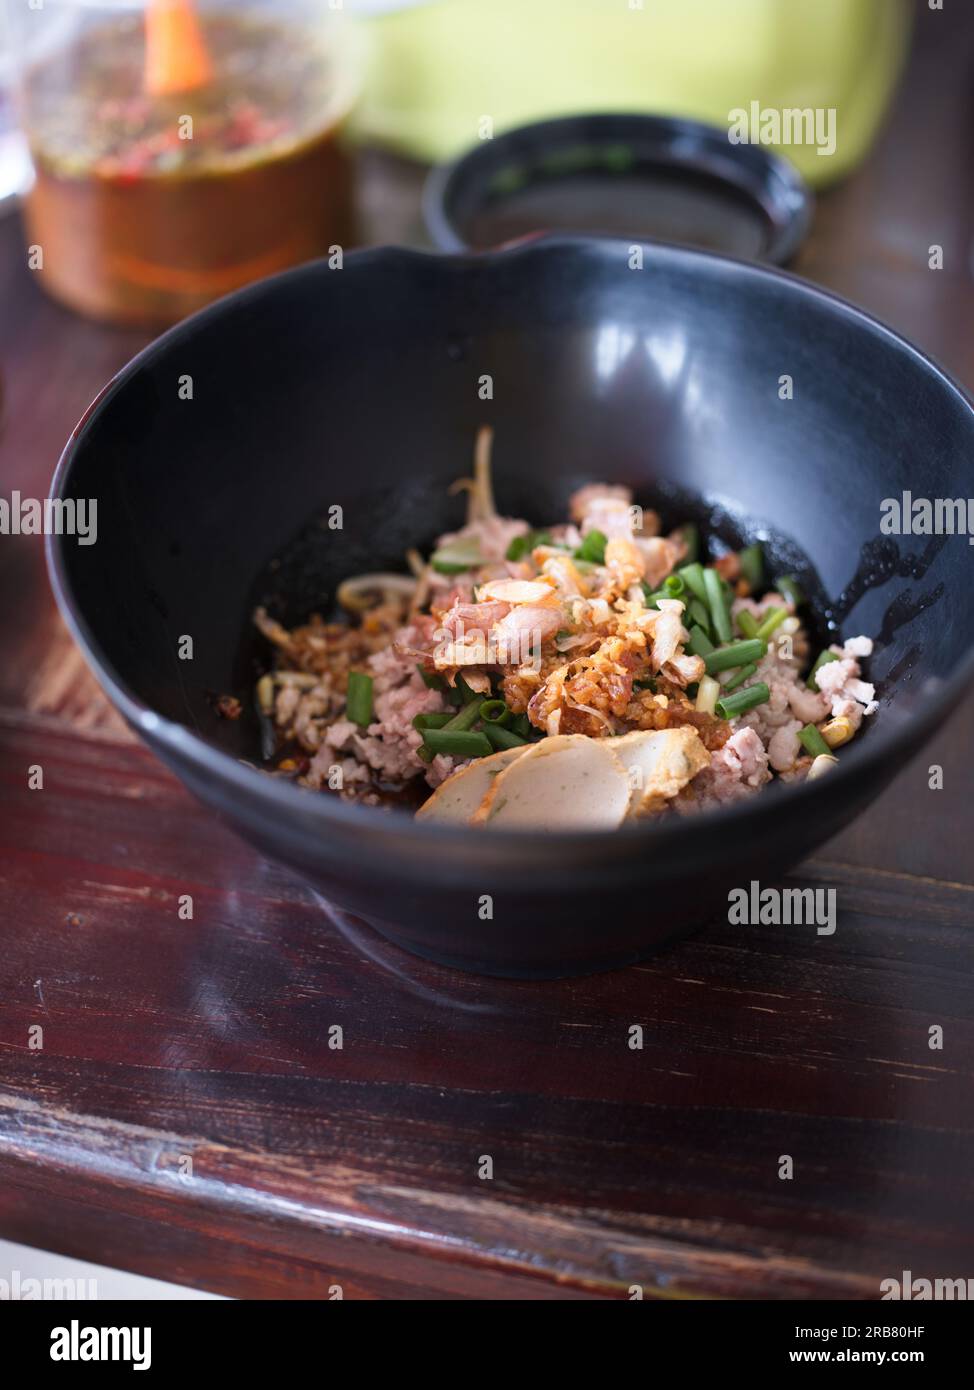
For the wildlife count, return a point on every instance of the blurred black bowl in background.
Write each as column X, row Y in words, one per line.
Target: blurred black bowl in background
column 641, row 177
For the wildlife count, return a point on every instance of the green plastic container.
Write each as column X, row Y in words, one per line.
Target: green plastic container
column 444, row 73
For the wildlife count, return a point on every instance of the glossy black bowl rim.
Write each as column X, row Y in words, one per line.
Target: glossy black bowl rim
column 787, row 202
column 249, row 782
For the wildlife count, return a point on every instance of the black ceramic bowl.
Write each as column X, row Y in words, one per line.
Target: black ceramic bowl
column 359, row 388
column 625, row 174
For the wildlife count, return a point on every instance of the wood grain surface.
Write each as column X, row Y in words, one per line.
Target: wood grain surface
column 186, row 1116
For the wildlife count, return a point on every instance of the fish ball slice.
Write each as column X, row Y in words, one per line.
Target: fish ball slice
column 568, row 782
column 659, row 763
column 456, row 798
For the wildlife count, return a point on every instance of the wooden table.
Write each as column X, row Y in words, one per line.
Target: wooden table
column 186, row 1118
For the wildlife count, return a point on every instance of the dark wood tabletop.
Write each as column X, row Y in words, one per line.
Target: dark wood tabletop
column 181, row 1112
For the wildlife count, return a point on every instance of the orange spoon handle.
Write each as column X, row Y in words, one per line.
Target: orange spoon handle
column 176, row 57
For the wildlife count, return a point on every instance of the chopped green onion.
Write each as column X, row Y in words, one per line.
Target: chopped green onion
column 735, row 654
column 523, row 726
column 692, row 576
column 751, row 560
column 523, row 545
column 462, row 743
column 496, row 712
column 454, row 559
column 823, row 660
column 460, row 693
column 503, row 738
column 813, row 742
column 653, row 596
column 719, row 616
column 691, row 539
column 358, row 698
column 773, row 617
column 674, row 586
column 747, row 622
column 699, row 643
column 467, row 717
column 592, row 548
column 730, row 706
column 431, row 679
column 739, row 677
column 697, row 613
column 422, row 722
column 707, row 691
column 789, row 588
column 644, row 683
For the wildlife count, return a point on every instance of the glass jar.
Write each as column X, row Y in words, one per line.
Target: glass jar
column 181, row 148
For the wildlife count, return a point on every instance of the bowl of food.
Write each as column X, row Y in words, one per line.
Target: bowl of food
column 526, row 603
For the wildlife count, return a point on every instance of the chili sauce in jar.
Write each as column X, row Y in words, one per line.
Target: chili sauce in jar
column 182, row 150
